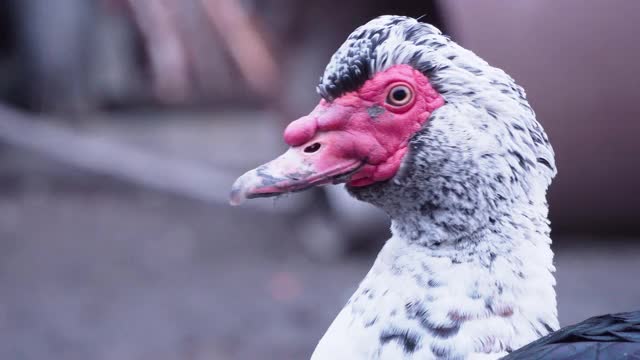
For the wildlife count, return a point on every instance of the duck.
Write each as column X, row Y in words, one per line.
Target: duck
column 450, row 149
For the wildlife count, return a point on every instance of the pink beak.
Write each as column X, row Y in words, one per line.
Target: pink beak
column 295, row 170
column 321, row 152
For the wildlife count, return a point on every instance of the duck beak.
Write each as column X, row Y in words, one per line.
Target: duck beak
column 293, row 171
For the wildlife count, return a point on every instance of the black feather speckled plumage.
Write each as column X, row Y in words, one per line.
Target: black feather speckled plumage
column 615, row 336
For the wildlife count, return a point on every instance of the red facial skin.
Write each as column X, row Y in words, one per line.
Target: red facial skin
column 362, row 125
column 363, row 138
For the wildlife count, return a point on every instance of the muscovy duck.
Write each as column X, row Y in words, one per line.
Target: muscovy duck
column 450, row 149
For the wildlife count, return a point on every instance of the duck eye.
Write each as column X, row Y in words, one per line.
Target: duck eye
column 399, row 95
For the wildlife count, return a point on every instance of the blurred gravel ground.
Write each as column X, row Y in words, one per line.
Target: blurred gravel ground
column 144, row 276
column 127, row 274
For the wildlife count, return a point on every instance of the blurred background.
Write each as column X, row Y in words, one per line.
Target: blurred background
column 123, row 124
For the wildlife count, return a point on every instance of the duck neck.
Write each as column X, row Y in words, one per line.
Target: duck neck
column 491, row 281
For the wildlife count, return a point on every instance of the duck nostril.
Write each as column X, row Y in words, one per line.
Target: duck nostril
column 312, row 148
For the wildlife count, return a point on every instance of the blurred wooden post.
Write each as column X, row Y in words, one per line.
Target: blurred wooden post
column 168, row 59
column 245, row 44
